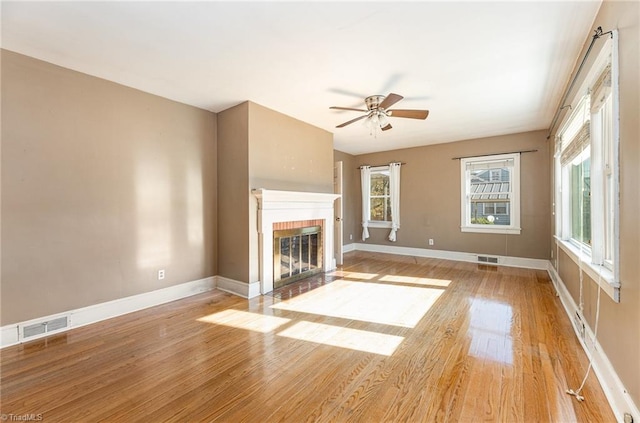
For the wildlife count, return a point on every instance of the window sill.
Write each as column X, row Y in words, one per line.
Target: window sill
column 492, row 230
column 379, row 224
column 599, row 274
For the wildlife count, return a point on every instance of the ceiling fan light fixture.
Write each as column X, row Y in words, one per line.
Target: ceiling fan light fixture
column 382, row 119
column 367, row 122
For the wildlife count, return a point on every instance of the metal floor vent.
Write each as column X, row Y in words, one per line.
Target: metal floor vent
column 44, row 328
column 488, row 259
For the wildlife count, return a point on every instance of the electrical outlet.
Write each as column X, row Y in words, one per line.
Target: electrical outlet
column 430, row 241
column 351, row 236
column 160, row 274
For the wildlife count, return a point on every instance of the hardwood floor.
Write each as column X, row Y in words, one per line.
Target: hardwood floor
column 383, row 339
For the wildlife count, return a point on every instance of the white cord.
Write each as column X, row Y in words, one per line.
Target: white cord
column 595, row 340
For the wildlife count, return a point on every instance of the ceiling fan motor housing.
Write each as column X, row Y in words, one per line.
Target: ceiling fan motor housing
column 373, row 101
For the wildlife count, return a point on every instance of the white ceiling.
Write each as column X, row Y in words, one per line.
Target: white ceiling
column 481, row 68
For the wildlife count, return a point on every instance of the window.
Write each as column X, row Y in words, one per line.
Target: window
column 379, row 195
column 580, row 193
column 586, row 169
column 491, row 194
column 380, row 198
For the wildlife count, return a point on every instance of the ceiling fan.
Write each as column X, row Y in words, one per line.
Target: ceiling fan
column 378, row 112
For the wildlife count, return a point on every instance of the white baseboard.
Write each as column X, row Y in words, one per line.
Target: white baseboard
column 241, row 289
column 618, row 397
column 452, row 255
column 8, row 335
column 348, row 248
column 92, row 314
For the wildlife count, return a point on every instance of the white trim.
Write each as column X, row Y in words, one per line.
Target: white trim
column 514, row 201
column 618, row 397
column 348, row 248
column 599, row 274
column 491, row 229
column 615, row 87
column 380, row 224
column 8, row 335
column 508, row 261
column 241, row 289
column 286, row 206
column 107, row 310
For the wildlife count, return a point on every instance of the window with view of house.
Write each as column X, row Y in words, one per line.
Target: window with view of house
column 490, row 194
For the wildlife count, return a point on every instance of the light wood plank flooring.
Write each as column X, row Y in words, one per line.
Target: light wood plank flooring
column 383, row 339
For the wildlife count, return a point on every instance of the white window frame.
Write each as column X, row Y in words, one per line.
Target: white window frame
column 600, row 260
column 514, row 200
column 378, row 223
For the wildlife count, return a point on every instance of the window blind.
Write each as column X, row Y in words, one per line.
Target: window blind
column 576, row 133
column 499, row 164
column 579, row 142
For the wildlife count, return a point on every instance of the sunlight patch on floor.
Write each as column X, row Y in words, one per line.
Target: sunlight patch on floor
column 395, row 305
column 353, row 339
column 415, row 281
column 245, row 320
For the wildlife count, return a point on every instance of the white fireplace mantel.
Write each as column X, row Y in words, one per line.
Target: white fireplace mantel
column 287, row 206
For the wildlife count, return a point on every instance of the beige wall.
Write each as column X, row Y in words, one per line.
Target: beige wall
column 351, row 228
column 288, row 154
column 619, row 326
column 430, row 197
column 273, row 151
column 102, row 186
column 233, row 180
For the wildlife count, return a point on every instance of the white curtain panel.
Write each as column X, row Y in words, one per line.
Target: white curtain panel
column 365, row 181
column 394, row 193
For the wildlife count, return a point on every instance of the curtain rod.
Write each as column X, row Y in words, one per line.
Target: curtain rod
column 494, row 154
column 561, row 106
column 386, row 164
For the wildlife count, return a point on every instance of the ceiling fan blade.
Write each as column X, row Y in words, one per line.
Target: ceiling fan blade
column 390, row 100
column 386, row 128
column 347, row 108
column 412, row 114
column 351, row 121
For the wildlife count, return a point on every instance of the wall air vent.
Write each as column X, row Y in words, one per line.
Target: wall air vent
column 488, row 259
column 43, row 328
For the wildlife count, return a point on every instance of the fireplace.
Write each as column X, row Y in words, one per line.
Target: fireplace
column 297, row 252
column 286, row 211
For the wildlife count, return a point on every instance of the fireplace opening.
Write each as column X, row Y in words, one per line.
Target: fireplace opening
column 297, row 254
